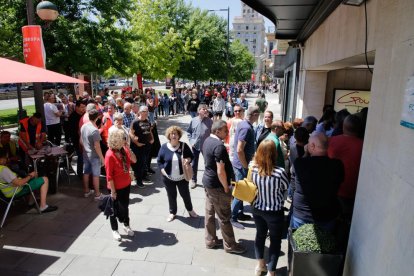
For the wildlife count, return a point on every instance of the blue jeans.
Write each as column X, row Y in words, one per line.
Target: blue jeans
column 237, row 204
column 272, row 222
column 151, row 116
column 194, row 163
column 328, row 226
column 193, row 114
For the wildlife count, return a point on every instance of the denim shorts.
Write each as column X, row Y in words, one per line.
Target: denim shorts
column 91, row 166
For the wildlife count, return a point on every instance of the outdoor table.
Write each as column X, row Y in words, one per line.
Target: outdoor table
column 48, row 151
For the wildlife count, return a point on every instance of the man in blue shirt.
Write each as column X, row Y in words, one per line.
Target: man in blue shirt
column 244, row 149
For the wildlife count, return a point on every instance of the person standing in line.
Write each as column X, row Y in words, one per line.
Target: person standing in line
column 262, row 104
column 232, row 126
column 219, row 105
column 127, row 115
column 118, row 160
column 141, row 141
column 192, row 105
column 271, row 182
column 277, row 129
column 52, row 117
column 318, row 178
column 243, row 102
column 169, row 162
column 92, row 155
column 197, row 132
column 216, row 181
column 263, row 129
column 74, row 133
column 244, row 148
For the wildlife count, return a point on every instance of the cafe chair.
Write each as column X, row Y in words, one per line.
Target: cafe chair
column 9, row 201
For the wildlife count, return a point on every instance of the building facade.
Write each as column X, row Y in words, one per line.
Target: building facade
column 333, row 56
column 249, row 29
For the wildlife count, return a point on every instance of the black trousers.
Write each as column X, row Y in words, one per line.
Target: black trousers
column 122, row 199
column 54, row 133
column 140, row 167
column 183, row 189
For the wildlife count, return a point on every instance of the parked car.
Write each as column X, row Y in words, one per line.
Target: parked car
column 8, row 87
column 112, row 82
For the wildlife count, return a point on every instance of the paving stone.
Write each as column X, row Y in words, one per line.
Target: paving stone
column 128, row 267
column 176, row 254
column 46, row 264
column 91, row 266
column 190, row 270
column 10, row 259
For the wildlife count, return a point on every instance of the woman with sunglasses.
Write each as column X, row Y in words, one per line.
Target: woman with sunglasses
column 118, row 160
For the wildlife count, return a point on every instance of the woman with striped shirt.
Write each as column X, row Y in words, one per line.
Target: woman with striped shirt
column 271, row 182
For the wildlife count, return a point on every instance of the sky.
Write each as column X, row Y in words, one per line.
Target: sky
column 235, row 8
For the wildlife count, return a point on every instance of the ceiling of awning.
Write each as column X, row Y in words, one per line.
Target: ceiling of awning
column 294, row 19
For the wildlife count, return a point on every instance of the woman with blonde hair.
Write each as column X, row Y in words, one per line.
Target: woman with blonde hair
column 170, row 163
column 118, row 160
column 271, row 182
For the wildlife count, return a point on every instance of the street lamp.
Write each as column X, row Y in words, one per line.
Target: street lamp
column 228, row 41
column 47, row 11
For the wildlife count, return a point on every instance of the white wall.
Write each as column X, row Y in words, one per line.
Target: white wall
column 382, row 235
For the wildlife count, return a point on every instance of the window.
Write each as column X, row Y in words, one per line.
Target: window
column 246, row 40
column 247, row 27
column 244, row 11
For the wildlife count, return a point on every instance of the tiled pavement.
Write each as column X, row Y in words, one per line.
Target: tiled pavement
column 77, row 239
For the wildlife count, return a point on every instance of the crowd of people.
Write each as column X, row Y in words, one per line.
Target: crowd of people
column 313, row 164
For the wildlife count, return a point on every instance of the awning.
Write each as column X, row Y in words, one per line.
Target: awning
column 17, row 72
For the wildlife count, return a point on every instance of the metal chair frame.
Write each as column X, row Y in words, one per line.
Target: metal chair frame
column 9, row 201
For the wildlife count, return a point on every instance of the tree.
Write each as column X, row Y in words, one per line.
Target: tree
column 88, row 36
column 242, row 62
column 210, row 58
column 161, row 46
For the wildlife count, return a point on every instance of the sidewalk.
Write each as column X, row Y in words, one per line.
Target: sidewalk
column 77, row 239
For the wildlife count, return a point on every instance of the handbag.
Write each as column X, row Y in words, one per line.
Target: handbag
column 187, row 169
column 245, row 189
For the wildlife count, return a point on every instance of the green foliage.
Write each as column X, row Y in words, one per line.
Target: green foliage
column 210, row 57
column 88, row 36
column 241, row 62
column 161, row 46
column 311, row 238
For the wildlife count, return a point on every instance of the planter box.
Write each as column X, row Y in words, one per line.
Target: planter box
column 311, row 263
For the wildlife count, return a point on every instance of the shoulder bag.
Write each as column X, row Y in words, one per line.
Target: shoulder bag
column 245, row 189
column 187, row 169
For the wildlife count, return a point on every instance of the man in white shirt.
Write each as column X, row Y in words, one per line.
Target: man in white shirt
column 52, row 116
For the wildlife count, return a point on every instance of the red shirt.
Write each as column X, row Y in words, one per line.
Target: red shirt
column 348, row 149
column 115, row 170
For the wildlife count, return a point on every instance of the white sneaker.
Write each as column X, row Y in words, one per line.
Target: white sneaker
column 129, row 231
column 116, row 235
column 99, row 197
column 88, row 194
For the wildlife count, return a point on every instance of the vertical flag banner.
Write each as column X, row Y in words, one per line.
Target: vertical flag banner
column 33, row 49
column 139, row 78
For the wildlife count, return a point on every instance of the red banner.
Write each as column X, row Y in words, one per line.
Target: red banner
column 33, row 49
column 139, row 79
column 253, row 77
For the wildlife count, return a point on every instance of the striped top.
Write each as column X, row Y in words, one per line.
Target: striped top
column 270, row 189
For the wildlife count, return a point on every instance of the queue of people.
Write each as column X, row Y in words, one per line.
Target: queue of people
column 313, row 164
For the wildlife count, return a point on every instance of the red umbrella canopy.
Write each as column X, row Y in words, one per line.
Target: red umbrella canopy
column 17, row 72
